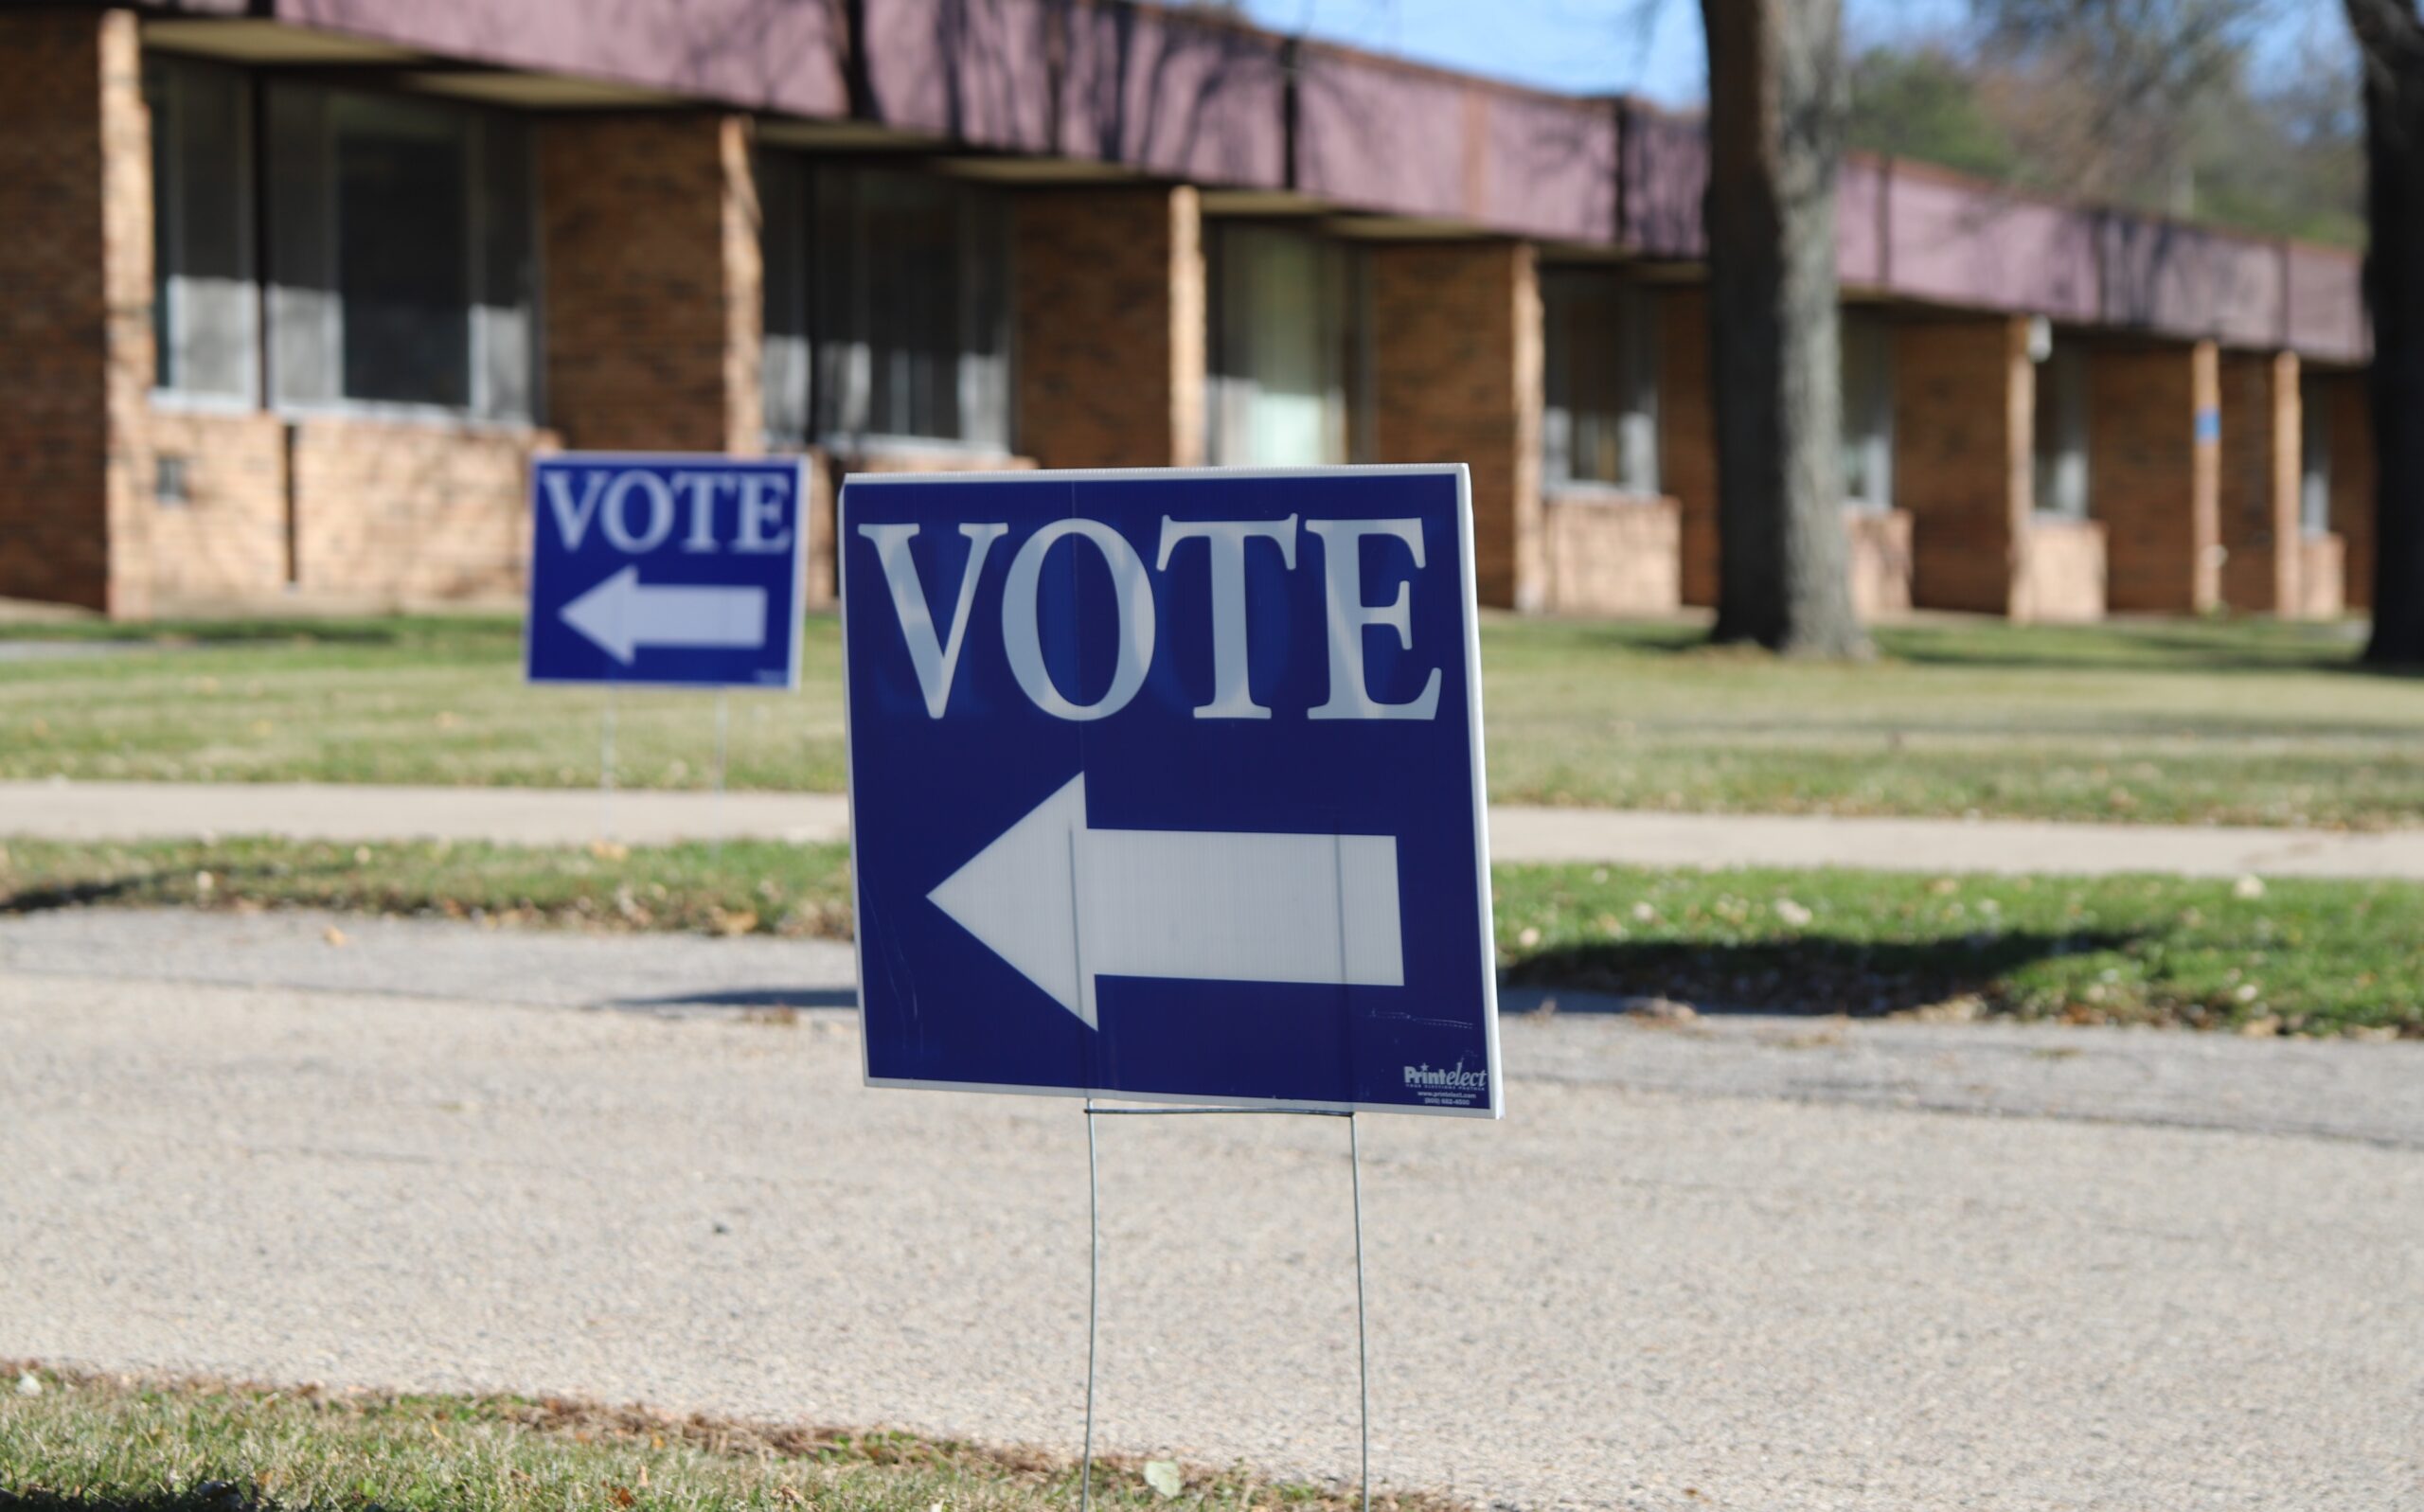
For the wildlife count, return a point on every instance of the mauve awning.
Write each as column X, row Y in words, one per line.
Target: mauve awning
column 773, row 55
column 1208, row 101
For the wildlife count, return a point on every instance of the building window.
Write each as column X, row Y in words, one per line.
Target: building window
column 206, row 305
column 1290, row 354
column 400, row 264
column 2314, row 457
column 1868, row 411
column 1600, row 423
column 2059, row 473
column 887, row 306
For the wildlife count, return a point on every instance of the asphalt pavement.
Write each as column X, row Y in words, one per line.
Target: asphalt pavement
column 1756, row 1263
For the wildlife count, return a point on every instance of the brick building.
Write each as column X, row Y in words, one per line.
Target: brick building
column 291, row 290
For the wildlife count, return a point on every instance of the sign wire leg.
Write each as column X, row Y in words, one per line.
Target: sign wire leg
column 1362, row 1333
column 606, row 767
column 723, row 728
column 1093, row 1296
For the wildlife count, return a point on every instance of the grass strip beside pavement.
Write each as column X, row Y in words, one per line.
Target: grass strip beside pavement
column 78, row 1442
column 2244, row 721
column 740, row 887
column 2298, row 956
column 2292, row 956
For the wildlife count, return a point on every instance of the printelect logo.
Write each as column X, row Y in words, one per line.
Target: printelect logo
column 1458, row 1080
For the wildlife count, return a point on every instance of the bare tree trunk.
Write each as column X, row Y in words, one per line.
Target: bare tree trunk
column 1776, row 108
column 2392, row 39
column 1776, row 139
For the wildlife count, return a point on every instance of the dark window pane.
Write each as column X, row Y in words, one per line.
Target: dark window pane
column 203, row 300
column 2314, row 458
column 1867, row 355
column 506, row 337
column 1600, row 419
column 1287, row 362
column 303, row 314
column 403, row 270
column 909, row 275
column 2061, row 422
column 782, row 198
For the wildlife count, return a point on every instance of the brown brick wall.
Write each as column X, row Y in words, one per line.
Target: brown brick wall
column 2258, row 517
column 2352, row 485
column 1687, row 435
column 1110, row 331
column 386, row 512
column 1611, row 554
column 2152, row 481
column 1880, row 561
column 2062, row 572
column 411, row 511
column 1963, row 412
column 1456, row 377
column 825, row 473
column 2322, row 577
column 226, row 542
column 76, row 357
column 654, row 283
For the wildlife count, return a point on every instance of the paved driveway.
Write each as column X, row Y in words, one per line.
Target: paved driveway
column 1765, row 1264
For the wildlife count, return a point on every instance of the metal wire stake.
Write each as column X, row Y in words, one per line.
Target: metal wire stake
column 1363, row 1337
column 724, row 724
column 606, row 767
column 1093, row 1294
column 1093, row 1279
column 723, row 729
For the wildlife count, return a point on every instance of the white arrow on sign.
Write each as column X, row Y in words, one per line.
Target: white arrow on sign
column 1065, row 904
column 622, row 614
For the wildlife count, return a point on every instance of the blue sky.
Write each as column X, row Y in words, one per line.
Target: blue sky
column 1645, row 46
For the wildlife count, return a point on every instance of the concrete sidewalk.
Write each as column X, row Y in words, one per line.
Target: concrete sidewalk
column 144, row 810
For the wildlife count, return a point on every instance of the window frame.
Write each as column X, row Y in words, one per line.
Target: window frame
column 1633, row 307
column 276, row 174
column 797, row 252
column 1875, row 329
column 2063, row 372
column 169, row 78
column 1346, row 349
column 2314, row 462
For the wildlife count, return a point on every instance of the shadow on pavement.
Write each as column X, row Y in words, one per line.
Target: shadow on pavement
column 1815, row 974
column 747, row 999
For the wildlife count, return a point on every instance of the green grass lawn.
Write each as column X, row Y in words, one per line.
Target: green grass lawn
column 80, row 1442
column 2319, row 957
column 2249, row 721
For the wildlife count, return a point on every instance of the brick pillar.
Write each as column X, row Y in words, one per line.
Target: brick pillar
column 2259, row 483
column 1687, row 435
column 1110, row 320
column 1963, row 420
column 2352, row 484
column 75, row 344
column 655, row 287
column 1457, row 378
column 2154, row 474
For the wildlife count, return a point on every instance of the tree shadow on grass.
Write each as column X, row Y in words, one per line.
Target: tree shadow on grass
column 206, row 1496
column 2185, row 647
column 1815, row 973
column 73, row 895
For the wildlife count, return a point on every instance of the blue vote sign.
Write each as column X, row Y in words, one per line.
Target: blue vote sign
column 1168, row 786
column 675, row 569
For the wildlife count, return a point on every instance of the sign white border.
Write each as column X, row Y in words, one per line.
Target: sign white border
column 1463, row 474
column 799, row 567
